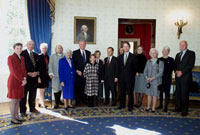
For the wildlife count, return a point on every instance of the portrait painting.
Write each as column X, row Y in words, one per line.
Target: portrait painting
column 85, row 29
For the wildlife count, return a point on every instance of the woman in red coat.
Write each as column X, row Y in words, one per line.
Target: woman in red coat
column 16, row 81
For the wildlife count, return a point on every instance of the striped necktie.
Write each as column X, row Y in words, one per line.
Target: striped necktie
column 32, row 58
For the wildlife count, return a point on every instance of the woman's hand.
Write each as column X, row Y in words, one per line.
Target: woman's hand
column 39, row 80
column 62, row 84
column 137, row 74
column 24, row 82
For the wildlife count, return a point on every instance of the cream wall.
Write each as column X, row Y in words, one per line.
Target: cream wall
column 107, row 13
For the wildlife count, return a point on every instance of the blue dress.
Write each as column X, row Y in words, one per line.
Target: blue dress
column 67, row 75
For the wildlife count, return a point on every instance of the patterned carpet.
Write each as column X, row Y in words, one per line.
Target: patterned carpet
column 104, row 121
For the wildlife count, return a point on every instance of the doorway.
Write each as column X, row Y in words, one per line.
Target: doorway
column 138, row 32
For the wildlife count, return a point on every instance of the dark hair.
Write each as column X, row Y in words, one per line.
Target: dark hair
column 17, row 44
column 97, row 51
column 111, row 48
column 137, row 49
column 92, row 55
column 127, row 44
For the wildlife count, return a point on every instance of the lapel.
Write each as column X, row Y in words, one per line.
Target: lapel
column 68, row 62
column 186, row 53
column 17, row 60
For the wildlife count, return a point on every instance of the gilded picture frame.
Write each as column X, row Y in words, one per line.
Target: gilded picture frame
column 85, row 29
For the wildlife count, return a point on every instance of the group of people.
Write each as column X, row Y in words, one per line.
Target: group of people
column 81, row 75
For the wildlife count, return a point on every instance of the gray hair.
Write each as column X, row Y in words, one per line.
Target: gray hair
column 56, row 48
column 43, row 45
column 83, row 27
column 69, row 51
column 166, row 48
column 153, row 49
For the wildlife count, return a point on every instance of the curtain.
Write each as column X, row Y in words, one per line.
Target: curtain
column 39, row 17
column 40, row 23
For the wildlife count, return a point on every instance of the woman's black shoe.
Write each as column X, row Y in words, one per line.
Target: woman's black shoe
column 147, row 110
column 22, row 120
column 16, row 122
column 153, row 111
column 66, row 108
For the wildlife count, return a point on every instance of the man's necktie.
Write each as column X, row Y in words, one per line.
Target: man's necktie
column 108, row 61
column 125, row 59
column 32, row 58
column 84, row 59
column 180, row 56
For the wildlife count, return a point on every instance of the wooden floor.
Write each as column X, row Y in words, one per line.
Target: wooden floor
column 4, row 107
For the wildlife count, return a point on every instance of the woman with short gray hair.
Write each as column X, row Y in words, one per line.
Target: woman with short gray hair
column 153, row 73
column 167, row 78
column 53, row 73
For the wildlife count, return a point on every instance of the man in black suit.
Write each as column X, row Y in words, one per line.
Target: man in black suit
column 80, row 58
column 184, row 63
column 100, row 73
column 110, row 76
column 31, row 63
column 127, row 71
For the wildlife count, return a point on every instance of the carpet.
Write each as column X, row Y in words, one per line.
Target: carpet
column 104, row 121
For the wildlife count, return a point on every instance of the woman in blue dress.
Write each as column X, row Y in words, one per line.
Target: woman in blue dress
column 67, row 75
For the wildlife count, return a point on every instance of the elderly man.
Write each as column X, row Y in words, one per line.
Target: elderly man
column 84, row 34
column 80, row 58
column 53, row 73
column 31, row 63
column 184, row 63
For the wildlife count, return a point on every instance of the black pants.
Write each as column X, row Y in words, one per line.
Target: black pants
column 31, row 98
column 166, row 90
column 100, row 93
column 110, row 86
column 126, row 87
column 79, row 91
column 182, row 93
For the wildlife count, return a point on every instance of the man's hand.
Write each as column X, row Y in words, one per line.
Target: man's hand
column 179, row 73
column 79, row 72
column 116, row 80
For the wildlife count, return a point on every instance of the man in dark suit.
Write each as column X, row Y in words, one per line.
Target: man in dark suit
column 184, row 63
column 80, row 58
column 110, row 76
column 127, row 71
column 100, row 73
column 31, row 63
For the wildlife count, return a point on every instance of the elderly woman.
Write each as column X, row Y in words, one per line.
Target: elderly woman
column 43, row 79
column 140, row 79
column 67, row 75
column 53, row 73
column 16, row 82
column 167, row 78
column 153, row 73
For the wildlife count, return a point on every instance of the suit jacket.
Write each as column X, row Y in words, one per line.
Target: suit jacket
column 111, row 70
column 127, row 72
column 78, row 59
column 101, row 70
column 17, row 74
column 30, row 67
column 186, row 64
column 154, row 70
